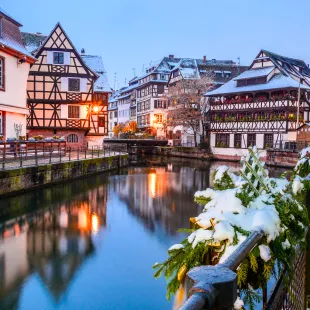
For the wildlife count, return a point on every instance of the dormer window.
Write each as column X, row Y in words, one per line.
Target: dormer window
column 252, row 81
column 58, row 58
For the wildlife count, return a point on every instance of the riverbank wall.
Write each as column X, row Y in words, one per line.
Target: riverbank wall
column 27, row 178
column 274, row 158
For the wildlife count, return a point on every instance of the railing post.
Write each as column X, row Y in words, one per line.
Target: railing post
column 98, row 151
column 36, row 153
column 92, row 152
column 20, row 157
column 85, row 151
column 51, row 150
column 70, row 153
column 59, row 152
column 3, row 157
column 78, row 153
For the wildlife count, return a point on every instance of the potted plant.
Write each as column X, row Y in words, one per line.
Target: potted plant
column 22, row 138
column 1, row 138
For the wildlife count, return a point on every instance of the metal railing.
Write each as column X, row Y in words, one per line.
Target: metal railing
column 26, row 154
column 215, row 287
column 283, row 145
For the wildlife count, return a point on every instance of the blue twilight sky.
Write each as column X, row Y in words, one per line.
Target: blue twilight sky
column 132, row 33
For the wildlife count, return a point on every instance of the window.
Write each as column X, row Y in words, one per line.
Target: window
column 73, row 111
column 158, row 118
column 268, row 141
column 74, row 85
column 227, row 74
column 237, row 142
column 163, row 77
column 2, row 73
column 101, row 121
column 115, row 114
column 72, row 138
column 251, row 139
column 58, row 58
column 222, row 140
column 252, row 81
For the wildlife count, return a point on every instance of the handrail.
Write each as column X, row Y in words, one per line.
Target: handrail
column 217, row 285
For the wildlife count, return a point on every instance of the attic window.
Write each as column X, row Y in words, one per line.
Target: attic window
column 58, row 58
column 252, row 81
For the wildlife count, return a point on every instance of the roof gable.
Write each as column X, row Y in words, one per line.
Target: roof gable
column 58, row 40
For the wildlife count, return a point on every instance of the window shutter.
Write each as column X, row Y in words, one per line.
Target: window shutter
column 64, row 84
column 83, row 85
column 49, row 57
column 66, row 58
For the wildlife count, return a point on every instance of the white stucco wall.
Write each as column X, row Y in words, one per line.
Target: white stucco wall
column 13, row 100
column 15, row 118
column 15, row 82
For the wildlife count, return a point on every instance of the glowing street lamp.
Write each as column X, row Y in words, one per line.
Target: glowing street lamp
column 96, row 109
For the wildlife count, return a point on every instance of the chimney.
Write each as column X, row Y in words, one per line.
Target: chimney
column 171, row 56
column 204, row 58
column 82, row 51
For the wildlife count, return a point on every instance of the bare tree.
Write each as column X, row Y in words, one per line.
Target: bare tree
column 188, row 104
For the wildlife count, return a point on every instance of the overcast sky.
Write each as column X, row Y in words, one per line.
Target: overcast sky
column 132, row 33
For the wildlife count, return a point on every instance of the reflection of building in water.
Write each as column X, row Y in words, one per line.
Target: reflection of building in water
column 54, row 242
column 162, row 196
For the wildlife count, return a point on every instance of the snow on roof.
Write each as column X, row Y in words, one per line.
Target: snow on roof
column 278, row 81
column 95, row 63
column 33, row 41
column 255, row 73
column 15, row 46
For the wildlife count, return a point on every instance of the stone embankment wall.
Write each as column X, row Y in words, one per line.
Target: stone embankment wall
column 282, row 159
column 24, row 179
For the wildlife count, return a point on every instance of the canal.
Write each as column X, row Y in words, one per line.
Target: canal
column 90, row 243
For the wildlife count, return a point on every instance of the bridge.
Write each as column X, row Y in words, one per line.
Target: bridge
column 138, row 146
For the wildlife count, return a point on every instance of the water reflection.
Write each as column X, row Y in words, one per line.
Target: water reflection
column 90, row 244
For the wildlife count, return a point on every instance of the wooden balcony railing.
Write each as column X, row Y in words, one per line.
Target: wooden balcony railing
column 253, row 104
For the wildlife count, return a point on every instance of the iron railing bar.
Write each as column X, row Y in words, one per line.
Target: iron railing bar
column 200, row 300
column 236, row 258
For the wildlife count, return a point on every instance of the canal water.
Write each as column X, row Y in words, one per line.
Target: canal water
column 90, row 243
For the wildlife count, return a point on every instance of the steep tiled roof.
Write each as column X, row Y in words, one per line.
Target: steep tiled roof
column 10, row 34
column 286, row 74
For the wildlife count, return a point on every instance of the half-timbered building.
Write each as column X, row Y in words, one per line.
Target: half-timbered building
column 263, row 106
column 60, row 92
column 189, row 79
column 15, row 63
column 102, row 93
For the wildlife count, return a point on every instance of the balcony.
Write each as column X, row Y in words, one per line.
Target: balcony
column 275, row 102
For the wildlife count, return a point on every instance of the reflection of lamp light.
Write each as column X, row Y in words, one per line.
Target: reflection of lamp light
column 94, row 223
column 96, row 109
column 152, row 184
column 82, row 219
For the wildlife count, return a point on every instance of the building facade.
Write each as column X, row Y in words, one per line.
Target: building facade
column 263, row 106
column 189, row 79
column 113, row 113
column 102, row 93
column 151, row 101
column 61, row 93
column 15, row 63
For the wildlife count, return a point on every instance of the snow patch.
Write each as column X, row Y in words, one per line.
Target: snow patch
column 264, row 251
